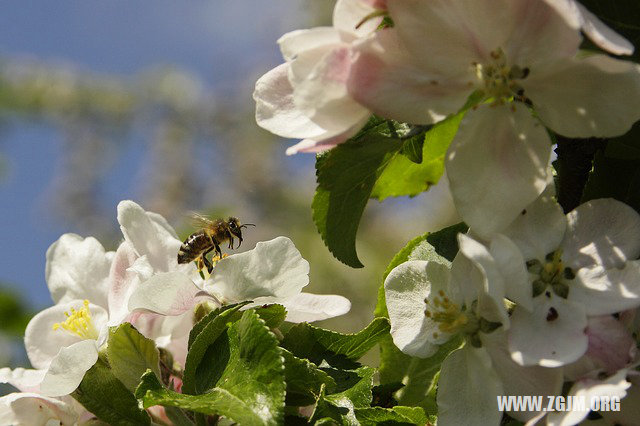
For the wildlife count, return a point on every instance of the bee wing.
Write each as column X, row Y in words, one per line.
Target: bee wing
column 200, row 221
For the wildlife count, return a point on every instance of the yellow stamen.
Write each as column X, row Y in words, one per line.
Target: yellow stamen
column 449, row 316
column 79, row 323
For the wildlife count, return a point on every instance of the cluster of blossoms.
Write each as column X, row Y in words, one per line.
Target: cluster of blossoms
column 541, row 299
column 140, row 283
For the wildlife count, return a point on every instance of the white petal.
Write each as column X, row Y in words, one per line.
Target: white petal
column 498, row 157
column 603, row 36
column 611, row 345
column 306, row 307
column 295, row 42
column 539, row 229
column 550, row 336
column 273, row 268
column 68, row 368
column 509, row 261
column 312, row 145
column 77, row 268
column 629, row 407
column 519, row 380
column 32, row 409
column 602, row 232
column 149, row 236
column 600, row 96
column 42, row 342
column 405, row 289
column 587, row 390
column 607, row 291
column 170, row 293
column 491, row 286
column 349, row 13
column 388, row 80
column 439, row 209
column 25, row 380
column 468, row 388
column 122, row 282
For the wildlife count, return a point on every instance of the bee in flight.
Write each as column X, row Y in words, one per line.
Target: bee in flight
column 212, row 233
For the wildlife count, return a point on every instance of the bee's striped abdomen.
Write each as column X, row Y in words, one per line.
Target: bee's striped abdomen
column 194, row 246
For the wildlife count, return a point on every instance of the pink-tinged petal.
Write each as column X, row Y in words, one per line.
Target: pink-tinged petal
column 148, row 236
column 322, row 93
column 295, row 42
column 32, row 409
column 25, row 380
column 553, row 334
column 169, row 293
column 607, row 291
column 77, row 268
column 464, row 373
column 588, row 390
column 313, row 146
column 499, row 158
column 599, row 96
column 68, row 368
column 405, row 289
column 388, row 80
column 348, row 16
column 602, row 232
column 519, row 380
column 456, row 32
column 376, row 4
column 539, row 229
column 611, row 346
column 275, row 109
column 42, row 342
column 273, row 268
column 306, row 307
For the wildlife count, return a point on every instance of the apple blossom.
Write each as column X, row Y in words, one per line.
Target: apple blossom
column 306, row 97
column 32, row 409
column 272, row 272
column 577, row 266
column 439, row 52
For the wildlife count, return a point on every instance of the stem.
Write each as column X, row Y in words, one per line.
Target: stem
column 575, row 160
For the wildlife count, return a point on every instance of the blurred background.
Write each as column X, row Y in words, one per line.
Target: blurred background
column 151, row 101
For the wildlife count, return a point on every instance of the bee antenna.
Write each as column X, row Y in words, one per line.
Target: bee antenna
column 247, row 224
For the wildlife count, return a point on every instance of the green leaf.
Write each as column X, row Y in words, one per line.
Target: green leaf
column 345, row 176
column 383, row 395
column 105, row 396
column 130, row 354
column 210, row 349
column 402, row 176
column 418, row 375
column 340, row 406
column 304, row 380
column 341, row 350
column 200, row 325
column 398, row 415
column 412, row 147
column 251, row 388
column 272, row 315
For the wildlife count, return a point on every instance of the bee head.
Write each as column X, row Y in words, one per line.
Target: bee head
column 236, row 228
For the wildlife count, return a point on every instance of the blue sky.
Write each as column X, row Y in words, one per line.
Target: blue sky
column 225, row 43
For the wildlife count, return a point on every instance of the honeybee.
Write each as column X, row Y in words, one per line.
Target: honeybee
column 208, row 238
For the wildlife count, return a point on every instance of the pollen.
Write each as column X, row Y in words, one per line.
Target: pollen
column 79, row 323
column 449, row 316
column 499, row 79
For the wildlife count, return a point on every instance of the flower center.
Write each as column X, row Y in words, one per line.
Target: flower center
column 79, row 323
column 499, row 79
column 451, row 317
column 552, row 272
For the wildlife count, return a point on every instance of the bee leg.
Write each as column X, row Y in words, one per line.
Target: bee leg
column 217, row 248
column 208, row 264
column 231, row 242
